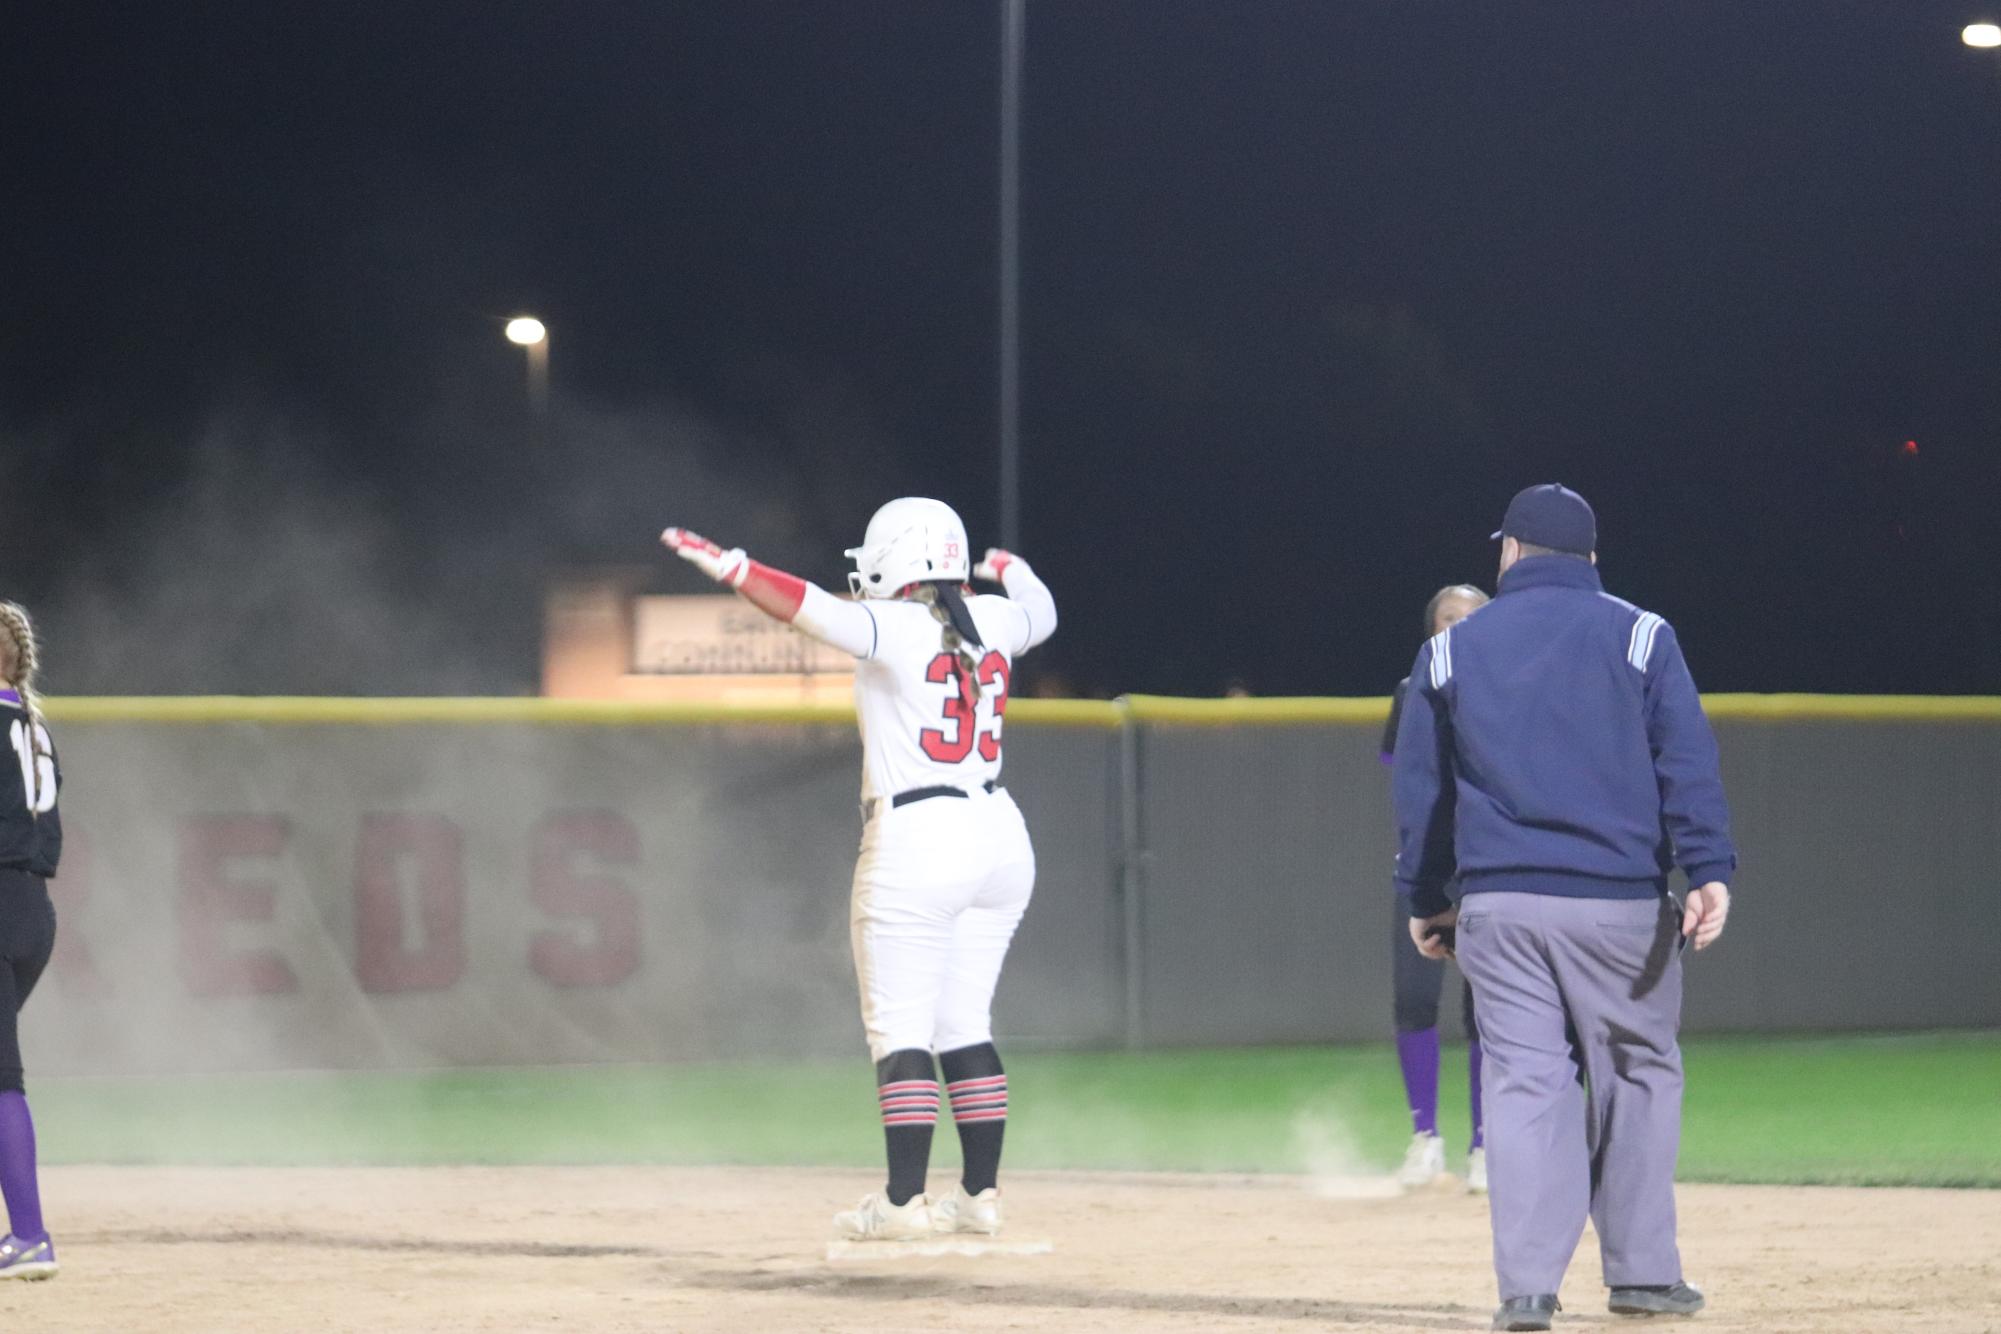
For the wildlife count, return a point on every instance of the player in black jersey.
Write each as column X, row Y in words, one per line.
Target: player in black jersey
column 31, row 843
column 1420, row 981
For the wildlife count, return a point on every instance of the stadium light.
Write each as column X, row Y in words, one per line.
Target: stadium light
column 1981, row 34
column 532, row 337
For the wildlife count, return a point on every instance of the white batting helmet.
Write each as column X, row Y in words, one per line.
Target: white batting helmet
column 909, row 541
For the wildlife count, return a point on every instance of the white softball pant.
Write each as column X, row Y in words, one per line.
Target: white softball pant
column 939, row 889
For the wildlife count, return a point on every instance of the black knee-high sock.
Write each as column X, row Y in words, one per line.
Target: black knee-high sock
column 978, row 1085
column 907, row 1086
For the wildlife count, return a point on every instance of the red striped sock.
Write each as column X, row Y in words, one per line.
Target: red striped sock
column 909, row 1102
column 907, row 1089
column 975, row 1100
column 979, row 1105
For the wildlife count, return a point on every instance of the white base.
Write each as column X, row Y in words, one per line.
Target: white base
column 1355, row 1187
column 963, row 1243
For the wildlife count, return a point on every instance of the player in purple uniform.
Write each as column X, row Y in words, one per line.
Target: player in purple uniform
column 1418, row 982
column 31, row 843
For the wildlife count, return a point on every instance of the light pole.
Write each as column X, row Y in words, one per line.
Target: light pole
column 1981, row 34
column 1012, row 22
column 532, row 336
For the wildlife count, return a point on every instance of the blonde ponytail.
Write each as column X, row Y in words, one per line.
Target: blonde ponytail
column 23, row 657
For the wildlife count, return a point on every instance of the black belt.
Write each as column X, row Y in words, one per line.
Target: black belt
column 874, row 804
column 926, row 793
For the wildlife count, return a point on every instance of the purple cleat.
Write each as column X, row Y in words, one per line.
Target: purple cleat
column 27, row 1259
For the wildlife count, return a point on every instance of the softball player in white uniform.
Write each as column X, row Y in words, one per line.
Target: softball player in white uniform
column 946, row 867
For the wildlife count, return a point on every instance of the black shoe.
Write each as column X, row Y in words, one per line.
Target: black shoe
column 1658, row 1299
column 1527, row 1312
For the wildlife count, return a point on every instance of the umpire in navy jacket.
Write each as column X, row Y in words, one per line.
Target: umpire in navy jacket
column 1554, row 756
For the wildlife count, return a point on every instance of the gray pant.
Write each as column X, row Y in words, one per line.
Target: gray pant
column 1577, row 994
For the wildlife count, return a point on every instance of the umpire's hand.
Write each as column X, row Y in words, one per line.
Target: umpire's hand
column 1702, row 918
column 1430, row 934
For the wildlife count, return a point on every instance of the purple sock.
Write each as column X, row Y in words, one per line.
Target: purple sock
column 1473, row 1091
column 17, row 1167
column 1418, row 1054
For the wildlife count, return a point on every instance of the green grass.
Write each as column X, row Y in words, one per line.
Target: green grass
column 1907, row 1110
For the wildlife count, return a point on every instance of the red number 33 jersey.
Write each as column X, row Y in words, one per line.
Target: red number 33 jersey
column 926, row 720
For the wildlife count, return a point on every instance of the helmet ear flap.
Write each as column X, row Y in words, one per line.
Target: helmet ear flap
column 866, row 581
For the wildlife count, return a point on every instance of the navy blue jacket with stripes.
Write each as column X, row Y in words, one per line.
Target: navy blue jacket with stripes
column 1553, row 742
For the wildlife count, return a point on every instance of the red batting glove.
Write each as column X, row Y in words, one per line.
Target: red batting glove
column 994, row 565
column 725, row 567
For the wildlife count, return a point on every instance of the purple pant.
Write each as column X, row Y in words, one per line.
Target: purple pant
column 1580, row 1003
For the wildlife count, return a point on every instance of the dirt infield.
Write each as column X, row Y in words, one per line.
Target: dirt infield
column 168, row 1251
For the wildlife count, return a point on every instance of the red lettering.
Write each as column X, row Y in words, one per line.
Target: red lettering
column 994, row 671
column 608, row 952
column 960, row 709
column 386, row 958
column 75, row 969
column 211, row 898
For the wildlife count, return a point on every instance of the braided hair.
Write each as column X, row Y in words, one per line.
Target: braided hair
column 20, row 659
column 959, row 635
column 20, row 655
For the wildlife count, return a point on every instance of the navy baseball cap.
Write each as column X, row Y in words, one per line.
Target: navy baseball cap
column 1551, row 516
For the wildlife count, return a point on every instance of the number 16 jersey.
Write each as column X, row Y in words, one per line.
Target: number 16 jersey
column 922, row 723
column 31, row 828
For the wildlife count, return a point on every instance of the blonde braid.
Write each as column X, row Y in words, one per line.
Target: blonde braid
column 950, row 639
column 25, row 659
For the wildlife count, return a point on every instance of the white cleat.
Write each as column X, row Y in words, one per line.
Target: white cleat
column 1423, row 1161
column 1476, row 1172
column 876, row 1219
column 960, row 1212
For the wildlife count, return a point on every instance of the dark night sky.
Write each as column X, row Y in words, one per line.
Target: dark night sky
column 1310, row 289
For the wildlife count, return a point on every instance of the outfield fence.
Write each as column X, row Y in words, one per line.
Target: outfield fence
column 273, row 883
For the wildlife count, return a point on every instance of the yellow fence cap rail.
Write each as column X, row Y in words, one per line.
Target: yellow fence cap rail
column 1099, row 713
column 282, row 709
column 1855, row 708
column 1255, row 711
column 1156, row 710
column 1780, row 708
column 378, row 712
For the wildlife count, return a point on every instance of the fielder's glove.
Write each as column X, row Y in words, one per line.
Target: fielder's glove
column 994, row 564
column 725, row 567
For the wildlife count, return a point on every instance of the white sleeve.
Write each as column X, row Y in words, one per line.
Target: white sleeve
column 1031, row 595
column 848, row 626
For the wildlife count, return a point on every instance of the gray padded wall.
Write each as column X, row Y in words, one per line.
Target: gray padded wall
column 1867, row 899
column 244, row 896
